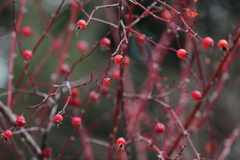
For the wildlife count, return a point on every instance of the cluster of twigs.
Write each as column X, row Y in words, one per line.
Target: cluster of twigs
column 130, row 105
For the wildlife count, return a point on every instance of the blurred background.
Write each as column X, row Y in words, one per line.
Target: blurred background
column 216, row 18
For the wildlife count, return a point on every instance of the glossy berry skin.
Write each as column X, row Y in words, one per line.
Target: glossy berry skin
column 196, row 95
column 94, row 96
column 27, row 54
column 81, row 25
column 47, row 152
column 104, row 91
column 20, row 121
column 116, row 74
column 223, row 44
column 107, row 81
column 26, row 31
column 159, row 128
column 76, row 121
column 207, row 42
column 120, row 144
column 8, row 134
column 75, row 92
column 82, row 46
column 64, row 69
column 118, row 59
column 58, row 118
column 105, row 42
column 141, row 38
column 182, row 53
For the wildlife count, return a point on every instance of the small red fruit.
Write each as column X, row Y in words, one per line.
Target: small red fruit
column 118, row 59
column 82, row 46
column 141, row 38
column 120, row 144
column 8, row 134
column 166, row 14
column 47, row 152
column 116, row 74
column 223, row 45
column 75, row 92
column 64, row 69
column 77, row 102
column 207, row 42
column 27, row 54
column 58, row 118
column 159, row 128
column 105, row 42
column 20, row 122
column 26, row 31
column 74, row 101
column 104, row 91
column 81, row 25
column 107, row 81
column 196, row 95
column 57, row 44
column 76, row 121
column 182, row 53
column 94, row 96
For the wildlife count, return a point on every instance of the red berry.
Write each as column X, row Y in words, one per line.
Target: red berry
column 126, row 60
column 77, row 102
column 57, row 44
column 166, row 14
column 94, row 96
column 107, row 81
column 58, row 118
column 47, row 152
column 8, row 134
column 182, row 53
column 64, row 69
column 71, row 101
column 208, row 148
column 196, row 95
column 159, row 128
column 116, row 74
column 26, row 31
column 81, row 25
column 207, row 42
column 118, row 59
column 82, row 46
column 141, row 38
column 120, row 144
column 104, row 90
column 27, row 54
column 75, row 92
column 76, row 121
column 105, row 42
column 223, row 45
column 20, row 122
column 74, row 101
